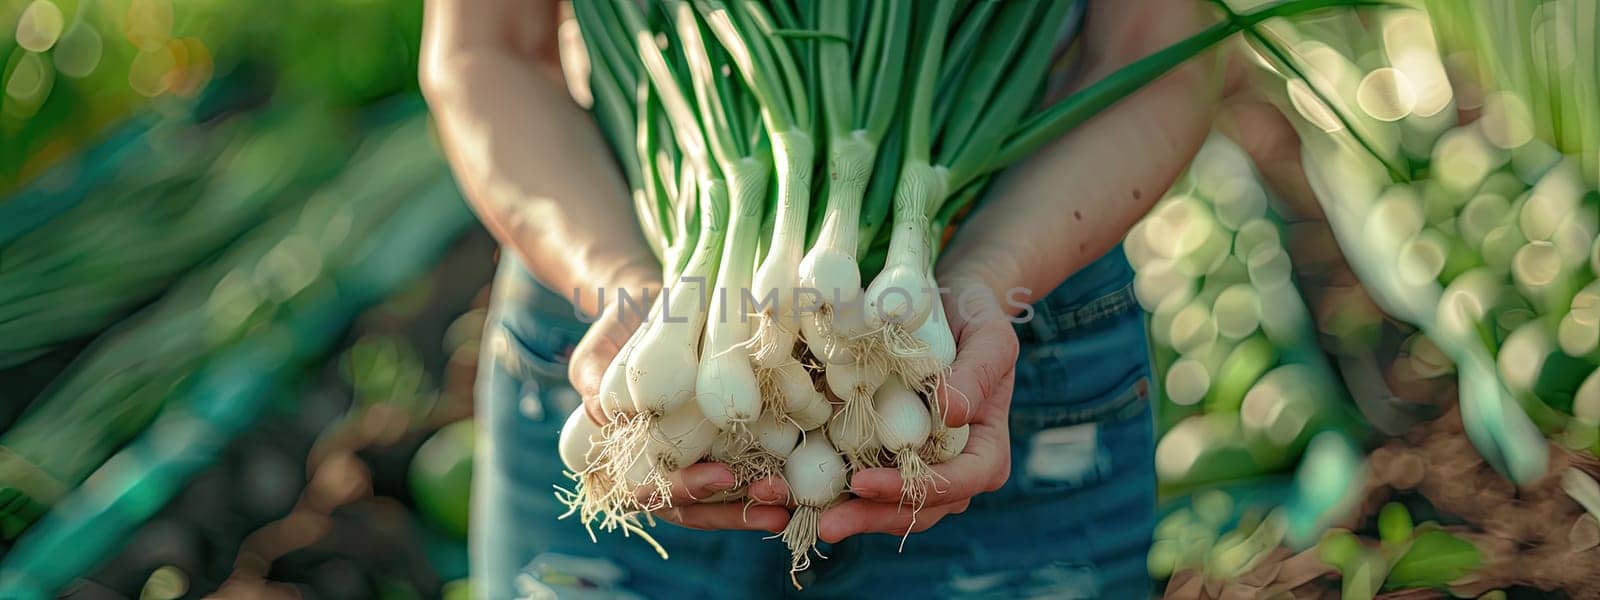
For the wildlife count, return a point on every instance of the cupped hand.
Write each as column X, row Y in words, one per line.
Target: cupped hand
column 976, row 393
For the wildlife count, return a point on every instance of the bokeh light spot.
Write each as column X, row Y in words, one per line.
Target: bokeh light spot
column 191, row 66
column 1386, row 94
column 1463, row 158
column 79, row 51
column 1311, row 108
column 30, row 80
column 149, row 73
column 1409, row 43
column 40, row 26
column 148, row 23
column 1179, row 448
column 166, row 583
column 1506, row 121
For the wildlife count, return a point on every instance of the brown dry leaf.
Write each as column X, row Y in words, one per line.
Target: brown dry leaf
column 1585, row 462
column 1302, row 568
column 1407, row 470
column 1239, row 591
column 1416, row 594
column 340, row 479
column 1184, row 584
column 1284, row 594
column 1212, row 587
column 1266, row 572
column 254, row 589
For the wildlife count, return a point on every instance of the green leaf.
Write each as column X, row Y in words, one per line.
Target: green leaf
column 811, row 34
column 1362, row 582
column 1213, row 507
column 460, row 589
column 1170, row 526
column 1338, row 548
column 1394, row 524
column 1435, row 559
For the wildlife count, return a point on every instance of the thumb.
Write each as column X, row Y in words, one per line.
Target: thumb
column 986, row 351
column 594, row 354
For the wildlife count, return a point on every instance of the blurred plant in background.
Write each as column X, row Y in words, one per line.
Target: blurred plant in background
column 1451, row 152
column 76, row 67
column 243, row 180
column 1244, row 384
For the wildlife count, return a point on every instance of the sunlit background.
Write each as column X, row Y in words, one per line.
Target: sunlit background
column 237, row 304
column 240, row 301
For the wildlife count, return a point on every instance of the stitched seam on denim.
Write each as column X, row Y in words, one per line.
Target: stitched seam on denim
column 1058, row 322
column 1100, row 308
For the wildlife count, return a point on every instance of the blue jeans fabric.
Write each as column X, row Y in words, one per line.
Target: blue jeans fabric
column 1073, row 521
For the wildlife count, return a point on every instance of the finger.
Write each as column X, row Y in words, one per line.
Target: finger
column 592, row 356
column 690, row 485
column 986, row 353
column 591, row 406
column 978, row 469
column 587, row 367
column 771, row 490
column 727, row 516
column 854, row 517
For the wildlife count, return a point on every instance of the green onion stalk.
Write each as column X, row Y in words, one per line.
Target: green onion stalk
column 768, row 67
column 858, row 108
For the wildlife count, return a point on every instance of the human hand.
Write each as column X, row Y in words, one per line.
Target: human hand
column 977, row 393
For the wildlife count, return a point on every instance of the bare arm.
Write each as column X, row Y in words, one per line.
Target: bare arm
column 530, row 160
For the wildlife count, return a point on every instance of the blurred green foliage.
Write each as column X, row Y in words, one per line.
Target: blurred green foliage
column 441, row 476
column 191, row 372
column 1452, row 153
column 1243, row 385
column 71, row 68
column 183, row 149
column 114, row 391
column 194, row 189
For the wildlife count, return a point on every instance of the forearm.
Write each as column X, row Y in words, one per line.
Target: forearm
column 1051, row 215
column 535, row 168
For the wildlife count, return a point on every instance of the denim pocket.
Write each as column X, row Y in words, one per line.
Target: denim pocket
column 537, row 371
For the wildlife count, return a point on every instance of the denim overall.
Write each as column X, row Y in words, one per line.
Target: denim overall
column 1073, row 521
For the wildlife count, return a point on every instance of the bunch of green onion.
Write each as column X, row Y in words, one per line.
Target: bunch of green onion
column 1243, row 383
column 1483, row 235
column 794, row 164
